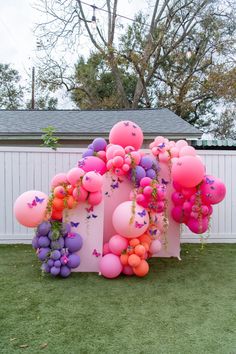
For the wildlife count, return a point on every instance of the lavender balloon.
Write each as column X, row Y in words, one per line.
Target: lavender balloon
column 44, row 228
column 99, row 144
column 45, row 268
column 58, row 244
column 55, row 255
column 43, row 241
column 73, row 242
column 35, row 243
column 151, row 173
column 65, row 229
column 50, row 263
column 57, row 264
column 43, row 253
column 65, row 271
column 137, row 174
column 55, row 271
column 146, row 162
column 73, row 261
column 88, row 152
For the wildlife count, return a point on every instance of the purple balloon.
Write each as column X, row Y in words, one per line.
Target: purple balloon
column 88, row 152
column 45, row 268
column 50, row 263
column 55, row 255
column 73, row 260
column 99, row 144
column 43, row 253
column 65, row 271
column 35, row 243
column 90, row 146
column 151, row 173
column 44, row 228
column 43, row 241
column 74, row 242
column 57, row 263
column 58, row 244
column 65, row 229
column 146, row 162
column 55, row 271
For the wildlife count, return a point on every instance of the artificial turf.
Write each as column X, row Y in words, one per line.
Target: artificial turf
column 180, row 307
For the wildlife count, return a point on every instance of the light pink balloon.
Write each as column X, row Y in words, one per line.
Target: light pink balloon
column 80, row 194
column 188, row 171
column 95, row 198
column 187, row 151
column 92, row 163
column 130, row 219
column 110, row 266
column 126, row 133
column 198, row 226
column 181, row 143
column 155, row 247
column 58, row 180
column 106, row 249
column 164, row 157
column 174, row 152
column 30, row 208
column 113, row 150
column 213, row 190
column 92, row 181
column 118, row 244
column 74, row 175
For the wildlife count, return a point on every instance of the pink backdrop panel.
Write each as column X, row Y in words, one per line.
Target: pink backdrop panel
column 91, row 230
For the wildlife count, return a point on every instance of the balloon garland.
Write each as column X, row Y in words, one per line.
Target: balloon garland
column 140, row 222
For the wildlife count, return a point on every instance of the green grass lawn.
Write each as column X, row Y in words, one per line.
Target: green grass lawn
column 180, row 307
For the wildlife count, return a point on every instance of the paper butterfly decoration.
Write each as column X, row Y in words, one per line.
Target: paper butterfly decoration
column 96, row 253
column 89, row 210
column 153, row 232
column 138, row 225
column 74, row 224
column 164, row 181
column 142, row 213
column 92, row 216
column 115, row 185
column 35, row 201
column 209, row 181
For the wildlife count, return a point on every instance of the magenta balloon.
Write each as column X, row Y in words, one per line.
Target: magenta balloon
column 198, row 226
column 127, row 270
column 188, row 171
column 126, row 133
column 110, row 266
column 177, row 214
column 177, row 198
column 130, row 219
column 213, row 190
column 92, row 163
column 30, row 208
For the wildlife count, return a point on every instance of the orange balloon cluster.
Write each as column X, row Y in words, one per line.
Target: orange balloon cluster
column 136, row 254
column 62, row 198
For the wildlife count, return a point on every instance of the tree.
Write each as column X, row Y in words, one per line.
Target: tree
column 225, row 126
column 151, row 50
column 11, row 92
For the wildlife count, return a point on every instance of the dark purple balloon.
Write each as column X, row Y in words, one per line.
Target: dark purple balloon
column 65, row 228
column 55, row 255
column 73, row 242
column 57, row 263
column 43, row 253
column 50, row 263
column 73, row 260
column 99, row 144
column 35, row 243
column 146, row 162
column 58, row 244
column 44, row 228
column 43, row 241
column 151, row 173
column 55, row 271
column 65, row 271
column 88, row 152
column 45, row 268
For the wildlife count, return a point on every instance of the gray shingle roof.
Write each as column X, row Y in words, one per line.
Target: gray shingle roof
column 66, row 122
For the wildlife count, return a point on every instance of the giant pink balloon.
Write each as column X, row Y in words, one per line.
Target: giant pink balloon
column 130, row 219
column 92, row 163
column 126, row 133
column 188, row 171
column 213, row 190
column 30, row 208
column 110, row 266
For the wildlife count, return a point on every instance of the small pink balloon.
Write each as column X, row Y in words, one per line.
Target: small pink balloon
column 95, row 198
column 187, row 207
column 110, row 266
column 92, row 163
column 80, row 194
column 125, row 167
column 147, row 191
column 126, row 133
column 177, row 214
column 188, row 192
column 187, row 151
column 174, row 152
column 128, row 149
column 74, row 175
column 164, row 157
column 127, row 270
column 213, row 190
column 106, row 249
column 58, row 180
column 30, row 208
column 136, row 157
column 155, row 247
column 92, row 181
column 198, row 226
column 145, row 181
column 188, row 171
column 181, row 143
column 117, row 244
column 177, row 198
column 118, row 161
column 113, row 149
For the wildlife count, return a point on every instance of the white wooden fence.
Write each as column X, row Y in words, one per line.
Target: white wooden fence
column 23, row 169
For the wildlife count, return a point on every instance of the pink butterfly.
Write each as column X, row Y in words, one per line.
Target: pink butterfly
column 138, row 226
column 89, row 210
column 31, row 205
column 96, row 253
column 71, row 235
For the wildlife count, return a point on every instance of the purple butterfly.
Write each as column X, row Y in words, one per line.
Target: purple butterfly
column 209, row 181
column 81, row 163
column 126, row 124
column 107, row 194
column 212, row 187
column 94, row 216
column 161, row 146
column 96, row 253
column 38, row 200
column 115, row 185
column 74, row 224
column 138, row 225
column 153, row 232
column 163, row 181
column 142, row 213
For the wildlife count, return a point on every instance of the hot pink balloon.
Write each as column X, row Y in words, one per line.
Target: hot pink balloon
column 30, row 208
column 58, row 180
column 74, row 175
column 92, row 181
column 188, row 171
column 213, row 190
column 126, row 133
column 177, row 198
column 130, row 219
column 178, row 214
column 110, row 266
column 95, row 198
column 117, row 244
column 92, row 163
column 188, row 192
column 198, row 226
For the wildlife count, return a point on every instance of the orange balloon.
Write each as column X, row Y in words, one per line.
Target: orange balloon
column 70, row 201
column 56, row 215
column 134, row 242
column 69, row 189
column 145, row 238
column 139, row 250
column 134, row 260
column 146, row 246
column 124, row 258
column 142, row 269
column 58, row 204
column 59, row 192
